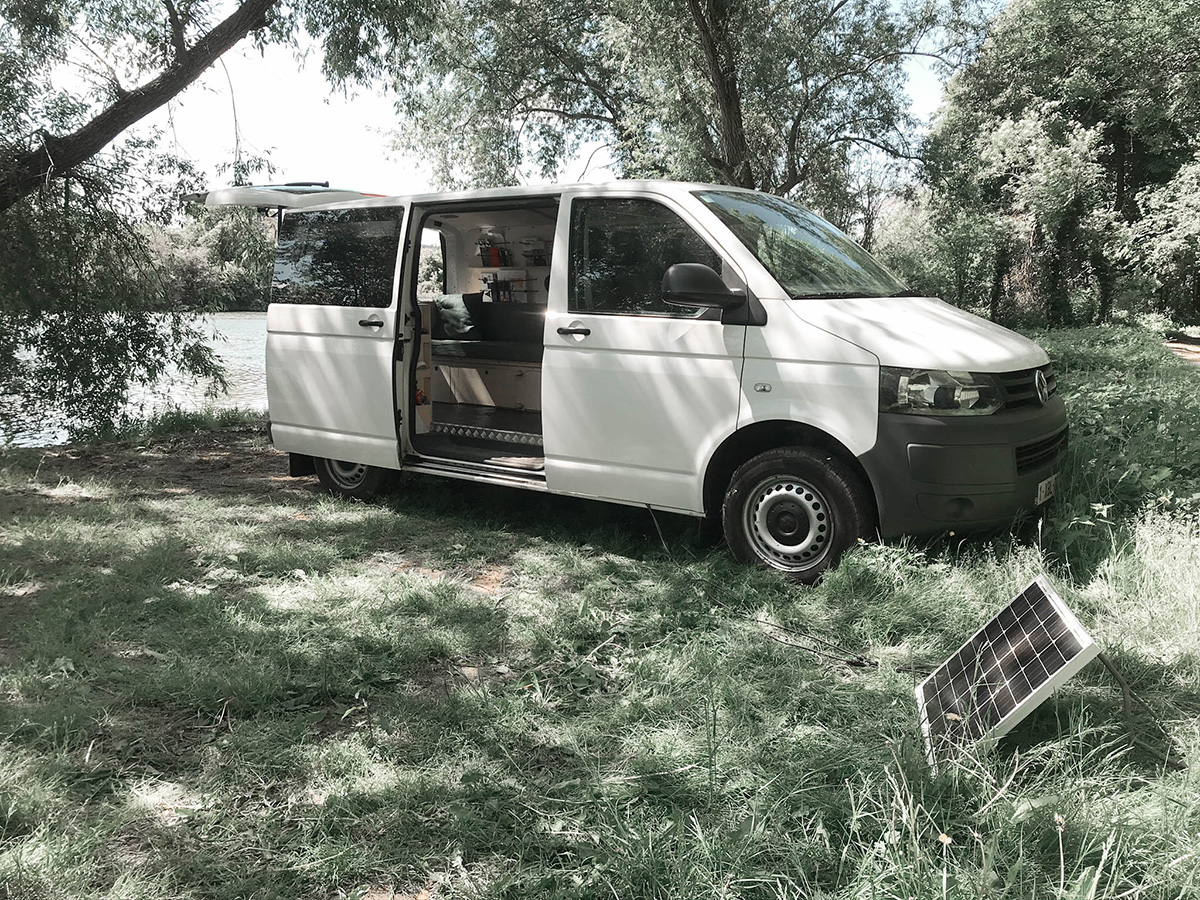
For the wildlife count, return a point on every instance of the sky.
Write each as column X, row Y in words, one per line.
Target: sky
column 286, row 110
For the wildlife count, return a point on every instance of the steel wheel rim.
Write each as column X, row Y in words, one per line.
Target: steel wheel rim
column 347, row 475
column 788, row 523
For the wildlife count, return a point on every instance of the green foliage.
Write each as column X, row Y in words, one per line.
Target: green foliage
column 219, row 260
column 177, row 421
column 1164, row 244
column 941, row 250
column 1073, row 123
column 93, row 293
column 776, row 96
column 83, row 310
column 431, row 273
column 1135, row 437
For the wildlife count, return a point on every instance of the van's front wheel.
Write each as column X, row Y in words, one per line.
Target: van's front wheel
column 350, row 479
column 796, row 510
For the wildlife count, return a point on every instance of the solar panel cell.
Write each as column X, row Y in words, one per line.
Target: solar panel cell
column 1003, row 671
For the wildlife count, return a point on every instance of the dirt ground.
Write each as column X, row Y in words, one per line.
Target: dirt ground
column 1185, row 347
column 227, row 461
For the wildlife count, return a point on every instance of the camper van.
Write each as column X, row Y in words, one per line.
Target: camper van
column 692, row 348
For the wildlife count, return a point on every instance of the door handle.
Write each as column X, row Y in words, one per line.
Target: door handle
column 583, row 331
column 371, row 323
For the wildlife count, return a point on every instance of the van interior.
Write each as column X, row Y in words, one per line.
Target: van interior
column 482, row 280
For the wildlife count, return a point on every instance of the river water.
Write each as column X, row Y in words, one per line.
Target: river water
column 240, row 340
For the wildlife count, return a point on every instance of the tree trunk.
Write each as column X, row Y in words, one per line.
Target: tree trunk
column 722, row 75
column 1059, row 265
column 24, row 173
column 1106, row 280
column 999, row 273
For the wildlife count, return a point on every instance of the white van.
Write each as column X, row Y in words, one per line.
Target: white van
column 692, row 348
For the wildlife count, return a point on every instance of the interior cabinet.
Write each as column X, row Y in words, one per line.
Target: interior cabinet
column 504, row 385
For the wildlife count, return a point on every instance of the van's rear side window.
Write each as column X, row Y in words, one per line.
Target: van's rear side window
column 338, row 257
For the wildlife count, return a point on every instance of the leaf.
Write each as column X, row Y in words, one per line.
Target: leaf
column 1084, row 887
column 1026, row 808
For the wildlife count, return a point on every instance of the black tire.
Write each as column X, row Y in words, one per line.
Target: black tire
column 795, row 509
column 353, row 480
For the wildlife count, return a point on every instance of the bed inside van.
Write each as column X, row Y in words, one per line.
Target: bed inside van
column 482, row 277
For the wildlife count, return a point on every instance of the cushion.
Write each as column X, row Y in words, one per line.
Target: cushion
column 457, row 317
column 519, row 322
column 506, row 351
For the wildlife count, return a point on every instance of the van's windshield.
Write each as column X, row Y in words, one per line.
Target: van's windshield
column 805, row 254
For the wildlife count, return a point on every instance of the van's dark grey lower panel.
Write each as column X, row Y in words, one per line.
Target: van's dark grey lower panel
column 963, row 473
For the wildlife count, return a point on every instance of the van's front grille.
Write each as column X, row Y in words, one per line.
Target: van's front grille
column 1032, row 457
column 1019, row 389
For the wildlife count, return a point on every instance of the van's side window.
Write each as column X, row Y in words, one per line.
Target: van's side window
column 340, row 257
column 620, row 250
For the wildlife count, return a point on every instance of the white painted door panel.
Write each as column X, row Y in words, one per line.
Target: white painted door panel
column 331, row 373
column 632, row 411
column 329, row 382
column 795, row 372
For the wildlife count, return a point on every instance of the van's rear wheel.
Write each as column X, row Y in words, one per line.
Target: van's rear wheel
column 796, row 510
column 351, row 479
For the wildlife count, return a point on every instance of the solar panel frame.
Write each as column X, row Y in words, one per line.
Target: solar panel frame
column 1020, row 667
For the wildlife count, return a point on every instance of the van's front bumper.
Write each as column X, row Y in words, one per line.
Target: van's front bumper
column 961, row 473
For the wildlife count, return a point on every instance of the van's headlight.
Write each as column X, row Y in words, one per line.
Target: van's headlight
column 932, row 392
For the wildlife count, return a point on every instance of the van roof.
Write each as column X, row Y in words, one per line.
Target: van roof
column 307, row 197
column 541, row 190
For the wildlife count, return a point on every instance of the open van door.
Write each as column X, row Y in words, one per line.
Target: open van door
column 332, row 325
column 332, row 330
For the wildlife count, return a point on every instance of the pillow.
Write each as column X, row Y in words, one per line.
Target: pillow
column 456, row 320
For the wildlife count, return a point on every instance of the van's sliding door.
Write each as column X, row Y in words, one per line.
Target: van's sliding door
column 331, row 335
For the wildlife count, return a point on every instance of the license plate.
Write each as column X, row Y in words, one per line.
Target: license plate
column 1045, row 490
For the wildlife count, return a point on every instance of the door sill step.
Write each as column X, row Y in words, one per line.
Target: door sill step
column 481, row 433
column 525, row 478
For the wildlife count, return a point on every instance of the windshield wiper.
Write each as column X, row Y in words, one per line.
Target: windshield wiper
column 832, row 295
column 907, row 292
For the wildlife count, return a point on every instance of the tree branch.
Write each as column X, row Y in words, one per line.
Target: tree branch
column 23, row 173
column 858, row 139
column 177, row 39
column 570, row 116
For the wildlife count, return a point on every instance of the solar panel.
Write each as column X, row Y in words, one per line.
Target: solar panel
column 1003, row 672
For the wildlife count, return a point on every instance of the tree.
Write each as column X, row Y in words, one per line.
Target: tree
column 1072, row 115
column 47, row 132
column 31, row 155
column 770, row 95
column 84, row 311
column 220, row 259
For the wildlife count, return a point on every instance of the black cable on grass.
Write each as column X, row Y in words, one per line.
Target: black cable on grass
column 1128, row 698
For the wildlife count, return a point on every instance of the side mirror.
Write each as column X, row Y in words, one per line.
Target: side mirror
column 695, row 284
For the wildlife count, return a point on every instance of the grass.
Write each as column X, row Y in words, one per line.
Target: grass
column 216, row 682
column 176, row 420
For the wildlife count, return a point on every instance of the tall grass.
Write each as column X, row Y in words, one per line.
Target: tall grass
column 482, row 693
